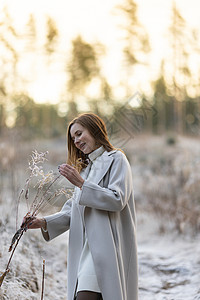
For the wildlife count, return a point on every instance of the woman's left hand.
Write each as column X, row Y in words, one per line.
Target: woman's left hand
column 71, row 174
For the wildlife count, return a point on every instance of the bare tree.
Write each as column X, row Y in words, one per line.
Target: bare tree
column 9, row 56
column 136, row 39
column 82, row 66
column 180, row 41
column 31, row 33
column 51, row 36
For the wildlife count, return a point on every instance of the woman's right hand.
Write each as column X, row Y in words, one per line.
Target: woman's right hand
column 34, row 223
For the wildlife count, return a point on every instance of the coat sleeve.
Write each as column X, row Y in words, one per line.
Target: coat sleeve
column 114, row 197
column 59, row 222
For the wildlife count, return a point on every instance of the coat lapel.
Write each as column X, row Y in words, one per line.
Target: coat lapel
column 101, row 167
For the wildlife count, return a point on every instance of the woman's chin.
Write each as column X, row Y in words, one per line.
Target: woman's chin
column 87, row 151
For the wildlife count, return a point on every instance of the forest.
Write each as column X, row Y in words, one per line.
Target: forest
column 173, row 105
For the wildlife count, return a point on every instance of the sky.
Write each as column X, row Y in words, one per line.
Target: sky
column 96, row 21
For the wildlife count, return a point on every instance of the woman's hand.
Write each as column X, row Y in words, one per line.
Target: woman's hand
column 71, row 174
column 34, row 223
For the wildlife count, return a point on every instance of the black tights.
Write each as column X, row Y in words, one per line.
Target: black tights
column 88, row 295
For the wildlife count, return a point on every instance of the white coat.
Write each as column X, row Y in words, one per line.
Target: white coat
column 110, row 224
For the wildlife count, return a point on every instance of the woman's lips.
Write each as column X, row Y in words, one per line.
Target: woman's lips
column 82, row 146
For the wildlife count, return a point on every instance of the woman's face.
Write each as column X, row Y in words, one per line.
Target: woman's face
column 82, row 138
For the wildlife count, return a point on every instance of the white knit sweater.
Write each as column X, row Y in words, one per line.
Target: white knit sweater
column 87, row 279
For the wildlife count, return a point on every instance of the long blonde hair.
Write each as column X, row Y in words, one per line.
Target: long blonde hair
column 97, row 128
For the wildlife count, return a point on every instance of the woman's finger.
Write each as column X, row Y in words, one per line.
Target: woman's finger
column 71, row 174
column 35, row 223
column 67, row 170
column 26, row 220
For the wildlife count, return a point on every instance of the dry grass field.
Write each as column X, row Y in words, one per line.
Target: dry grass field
column 166, row 179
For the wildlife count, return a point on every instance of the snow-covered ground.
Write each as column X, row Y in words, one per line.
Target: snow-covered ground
column 166, row 183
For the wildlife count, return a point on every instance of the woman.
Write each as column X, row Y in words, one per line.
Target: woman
column 102, row 256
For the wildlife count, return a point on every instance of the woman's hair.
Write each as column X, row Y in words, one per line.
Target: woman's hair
column 97, row 128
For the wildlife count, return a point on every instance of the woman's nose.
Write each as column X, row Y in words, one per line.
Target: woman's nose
column 76, row 140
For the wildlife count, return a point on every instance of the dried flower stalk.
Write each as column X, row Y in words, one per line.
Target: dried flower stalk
column 43, row 196
column 43, row 273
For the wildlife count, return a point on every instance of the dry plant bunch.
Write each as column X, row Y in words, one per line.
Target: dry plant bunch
column 44, row 194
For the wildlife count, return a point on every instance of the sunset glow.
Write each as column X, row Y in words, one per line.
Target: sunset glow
column 96, row 21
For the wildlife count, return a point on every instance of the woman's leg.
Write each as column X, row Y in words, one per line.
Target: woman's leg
column 88, row 295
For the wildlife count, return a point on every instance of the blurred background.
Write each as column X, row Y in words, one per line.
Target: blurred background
column 137, row 65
